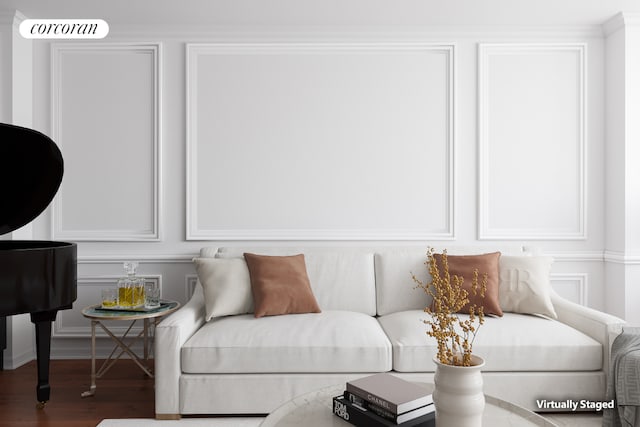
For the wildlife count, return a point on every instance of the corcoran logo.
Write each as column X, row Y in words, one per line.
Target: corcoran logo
column 64, row 29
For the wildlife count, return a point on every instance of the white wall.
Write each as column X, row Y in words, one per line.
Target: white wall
column 622, row 253
column 181, row 140
column 176, row 138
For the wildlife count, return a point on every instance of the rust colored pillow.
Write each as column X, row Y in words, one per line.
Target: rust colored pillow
column 463, row 265
column 280, row 285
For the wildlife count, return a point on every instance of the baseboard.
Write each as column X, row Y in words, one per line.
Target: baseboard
column 18, row 360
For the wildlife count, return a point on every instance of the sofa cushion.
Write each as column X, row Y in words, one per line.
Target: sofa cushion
column 464, row 266
column 395, row 289
column 514, row 342
column 525, row 286
column 340, row 279
column 331, row 341
column 226, row 286
column 280, row 285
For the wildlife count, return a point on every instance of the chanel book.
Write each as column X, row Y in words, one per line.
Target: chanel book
column 390, row 392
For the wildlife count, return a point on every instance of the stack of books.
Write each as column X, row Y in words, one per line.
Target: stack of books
column 383, row 400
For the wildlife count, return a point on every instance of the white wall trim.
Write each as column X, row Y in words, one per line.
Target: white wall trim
column 352, row 34
column 62, row 330
column 195, row 232
column 155, row 233
column 577, row 256
column 19, row 359
column 619, row 22
column 615, row 257
column 613, row 25
column 485, row 232
column 120, row 258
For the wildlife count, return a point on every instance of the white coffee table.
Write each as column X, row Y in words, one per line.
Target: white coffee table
column 315, row 409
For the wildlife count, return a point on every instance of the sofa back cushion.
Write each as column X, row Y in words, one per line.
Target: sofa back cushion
column 395, row 288
column 341, row 279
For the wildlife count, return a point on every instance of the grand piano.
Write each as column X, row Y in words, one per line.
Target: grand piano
column 36, row 277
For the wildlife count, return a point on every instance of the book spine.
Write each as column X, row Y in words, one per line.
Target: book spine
column 345, row 410
column 361, row 417
column 378, row 410
column 372, row 398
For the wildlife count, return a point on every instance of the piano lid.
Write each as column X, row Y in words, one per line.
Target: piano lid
column 31, row 169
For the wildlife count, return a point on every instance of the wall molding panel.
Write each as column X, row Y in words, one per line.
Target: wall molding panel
column 532, row 101
column 106, row 118
column 72, row 324
column 190, row 283
column 571, row 286
column 333, row 109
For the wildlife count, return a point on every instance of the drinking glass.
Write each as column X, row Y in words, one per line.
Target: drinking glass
column 109, row 298
column 151, row 295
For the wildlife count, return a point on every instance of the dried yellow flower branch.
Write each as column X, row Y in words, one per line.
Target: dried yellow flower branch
column 454, row 335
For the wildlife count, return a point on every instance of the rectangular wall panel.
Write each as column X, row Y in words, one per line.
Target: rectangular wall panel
column 320, row 141
column 571, row 286
column 532, row 159
column 106, row 120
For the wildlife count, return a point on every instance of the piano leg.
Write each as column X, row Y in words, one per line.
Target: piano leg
column 42, row 321
column 3, row 340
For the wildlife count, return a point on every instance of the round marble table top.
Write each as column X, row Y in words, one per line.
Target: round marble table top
column 315, row 409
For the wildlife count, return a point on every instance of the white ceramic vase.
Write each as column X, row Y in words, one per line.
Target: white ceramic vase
column 458, row 396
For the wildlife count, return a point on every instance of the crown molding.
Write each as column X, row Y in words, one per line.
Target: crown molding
column 283, row 33
column 620, row 21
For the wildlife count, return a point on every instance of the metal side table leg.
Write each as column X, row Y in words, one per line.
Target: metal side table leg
column 92, row 389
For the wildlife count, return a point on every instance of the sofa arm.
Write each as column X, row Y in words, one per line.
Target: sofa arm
column 600, row 326
column 170, row 335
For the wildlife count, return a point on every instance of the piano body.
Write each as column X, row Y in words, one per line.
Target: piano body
column 36, row 277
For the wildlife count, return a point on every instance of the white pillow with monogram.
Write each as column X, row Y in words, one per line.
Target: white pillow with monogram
column 525, row 286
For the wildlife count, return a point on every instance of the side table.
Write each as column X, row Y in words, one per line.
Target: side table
column 150, row 319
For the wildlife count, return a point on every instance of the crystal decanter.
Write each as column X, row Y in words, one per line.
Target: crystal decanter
column 131, row 288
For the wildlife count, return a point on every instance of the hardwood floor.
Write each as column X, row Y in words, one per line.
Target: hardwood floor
column 123, row 392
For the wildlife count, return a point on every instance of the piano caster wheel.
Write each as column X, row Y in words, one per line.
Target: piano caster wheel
column 41, row 405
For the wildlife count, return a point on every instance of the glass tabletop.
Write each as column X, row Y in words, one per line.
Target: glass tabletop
column 97, row 312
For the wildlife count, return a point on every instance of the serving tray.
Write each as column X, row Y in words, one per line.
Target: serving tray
column 134, row 309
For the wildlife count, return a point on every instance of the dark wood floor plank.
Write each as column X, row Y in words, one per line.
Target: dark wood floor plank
column 123, row 392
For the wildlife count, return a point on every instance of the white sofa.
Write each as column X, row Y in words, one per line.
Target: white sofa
column 370, row 322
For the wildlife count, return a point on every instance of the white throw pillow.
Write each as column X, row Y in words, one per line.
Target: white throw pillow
column 525, row 286
column 226, row 285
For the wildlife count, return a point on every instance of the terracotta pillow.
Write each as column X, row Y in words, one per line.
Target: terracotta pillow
column 463, row 265
column 280, row 285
